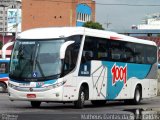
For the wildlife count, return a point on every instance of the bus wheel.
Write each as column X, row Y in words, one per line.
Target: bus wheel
column 3, row 87
column 137, row 96
column 35, row 104
column 81, row 99
column 98, row 102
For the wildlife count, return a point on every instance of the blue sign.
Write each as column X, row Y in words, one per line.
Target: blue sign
column 85, row 69
column 34, row 74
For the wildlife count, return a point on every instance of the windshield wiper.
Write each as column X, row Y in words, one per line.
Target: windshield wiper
column 35, row 61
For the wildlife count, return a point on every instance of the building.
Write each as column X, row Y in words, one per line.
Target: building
column 8, row 19
column 5, row 6
column 51, row 13
column 150, row 22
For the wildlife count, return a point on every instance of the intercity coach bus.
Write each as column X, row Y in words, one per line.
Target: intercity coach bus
column 75, row 64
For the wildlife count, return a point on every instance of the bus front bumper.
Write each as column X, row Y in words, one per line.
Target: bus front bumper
column 49, row 95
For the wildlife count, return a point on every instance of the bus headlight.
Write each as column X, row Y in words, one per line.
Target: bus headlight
column 12, row 86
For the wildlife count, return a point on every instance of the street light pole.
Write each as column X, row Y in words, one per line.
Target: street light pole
column 107, row 24
column 3, row 25
column 17, row 6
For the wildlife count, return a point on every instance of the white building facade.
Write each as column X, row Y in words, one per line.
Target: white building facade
column 151, row 22
column 6, row 5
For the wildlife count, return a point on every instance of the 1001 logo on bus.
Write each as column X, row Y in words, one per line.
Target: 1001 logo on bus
column 119, row 73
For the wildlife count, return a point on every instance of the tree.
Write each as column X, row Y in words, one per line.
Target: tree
column 1, row 45
column 93, row 25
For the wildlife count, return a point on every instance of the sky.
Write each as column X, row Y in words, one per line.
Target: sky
column 122, row 17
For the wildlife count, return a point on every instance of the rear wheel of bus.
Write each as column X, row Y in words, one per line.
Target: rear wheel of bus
column 137, row 95
column 35, row 104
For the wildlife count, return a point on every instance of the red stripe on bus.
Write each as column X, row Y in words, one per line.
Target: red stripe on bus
column 3, row 79
column 114, row 38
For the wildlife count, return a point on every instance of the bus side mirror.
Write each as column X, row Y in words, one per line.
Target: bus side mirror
column 64, row 47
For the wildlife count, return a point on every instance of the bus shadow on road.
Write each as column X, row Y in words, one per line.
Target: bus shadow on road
column 88, row 105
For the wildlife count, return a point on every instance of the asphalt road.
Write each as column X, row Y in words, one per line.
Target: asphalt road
column 21, row 110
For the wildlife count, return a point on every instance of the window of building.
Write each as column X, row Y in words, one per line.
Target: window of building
column 83, row 17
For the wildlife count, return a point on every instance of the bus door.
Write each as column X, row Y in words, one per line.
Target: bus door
column 94, row 52
column 96, row 75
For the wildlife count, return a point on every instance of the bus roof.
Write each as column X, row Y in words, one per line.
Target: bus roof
column 59, row 32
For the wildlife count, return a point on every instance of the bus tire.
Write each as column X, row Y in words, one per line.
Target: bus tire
column 137, row 96
column 3, row 87
column 35, row 104
column 98, row 102
column 79, row 104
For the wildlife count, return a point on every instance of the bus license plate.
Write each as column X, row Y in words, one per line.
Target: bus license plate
column 31, row 95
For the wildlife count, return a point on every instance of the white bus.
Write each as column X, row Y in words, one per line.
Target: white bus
column 75, row 64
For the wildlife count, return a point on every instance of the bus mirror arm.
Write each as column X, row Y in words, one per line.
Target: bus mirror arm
column 64, row 47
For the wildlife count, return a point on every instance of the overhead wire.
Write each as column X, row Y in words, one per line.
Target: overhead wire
column 104, row 4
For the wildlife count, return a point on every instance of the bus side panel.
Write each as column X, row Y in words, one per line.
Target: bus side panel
column 153, row 87
column 70, row 93
column 128, row 90
column 99, row 79
column 145, row 88
column 123, row 78
column 153, row 80
column 95, row 75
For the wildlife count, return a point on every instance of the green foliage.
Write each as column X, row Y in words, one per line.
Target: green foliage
column 93, row 25
column 158, row 35
column 0, row 44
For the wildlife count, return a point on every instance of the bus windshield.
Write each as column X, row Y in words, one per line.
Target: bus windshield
column 36, row 60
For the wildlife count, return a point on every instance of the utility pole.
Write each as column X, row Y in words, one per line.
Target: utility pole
column 17, row 15
column 107, row 24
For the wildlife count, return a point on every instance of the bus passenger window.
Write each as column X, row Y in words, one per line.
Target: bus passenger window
column 152, row 57
column 87, row 56
column 89, row 50
column 102, row 48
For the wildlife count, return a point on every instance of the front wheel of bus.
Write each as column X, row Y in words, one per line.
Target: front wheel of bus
column 35, row 104
column 81, row 99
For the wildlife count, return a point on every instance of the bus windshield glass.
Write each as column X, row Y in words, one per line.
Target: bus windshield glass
column 36, row 60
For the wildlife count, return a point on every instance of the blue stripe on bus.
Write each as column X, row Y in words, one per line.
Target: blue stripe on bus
column 38, row 84
column 3, row 75
column 139, row 71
